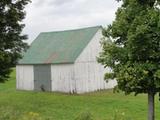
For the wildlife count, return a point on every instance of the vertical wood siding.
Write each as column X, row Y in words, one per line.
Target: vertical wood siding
column 62, row 76
column 24, row 76
column 85, row 75
column 89, row 75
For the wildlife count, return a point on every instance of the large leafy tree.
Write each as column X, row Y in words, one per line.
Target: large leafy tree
column 11, row 39
column 131, row 48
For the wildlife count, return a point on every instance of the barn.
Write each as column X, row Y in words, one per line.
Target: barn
column 63, row 61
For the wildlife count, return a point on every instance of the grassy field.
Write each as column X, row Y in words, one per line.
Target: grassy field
column 103, row 105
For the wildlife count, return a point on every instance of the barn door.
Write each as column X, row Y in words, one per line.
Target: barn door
column 42, row 77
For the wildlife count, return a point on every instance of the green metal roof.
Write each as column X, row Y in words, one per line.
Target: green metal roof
column 58, row 47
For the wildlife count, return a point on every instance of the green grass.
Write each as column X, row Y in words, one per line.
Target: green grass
column 102, row 105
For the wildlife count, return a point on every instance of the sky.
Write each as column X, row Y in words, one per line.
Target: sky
column 57, row 15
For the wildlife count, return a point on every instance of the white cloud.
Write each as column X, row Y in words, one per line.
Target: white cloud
column 52, row 15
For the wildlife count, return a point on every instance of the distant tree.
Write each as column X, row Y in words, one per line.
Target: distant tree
column 11, row 38
column 131, row 48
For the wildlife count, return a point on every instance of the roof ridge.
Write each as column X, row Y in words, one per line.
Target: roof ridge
column 98, row 26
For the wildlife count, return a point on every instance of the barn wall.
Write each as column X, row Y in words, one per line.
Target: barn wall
column 62, row 76
column 24, row 76
column 88, row 73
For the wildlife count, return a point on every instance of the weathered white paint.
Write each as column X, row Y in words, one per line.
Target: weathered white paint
column 85, row 75
column 89, row 75
column 62, row 76
column 24, row 76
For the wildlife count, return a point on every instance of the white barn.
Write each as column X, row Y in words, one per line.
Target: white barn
column 63, row 61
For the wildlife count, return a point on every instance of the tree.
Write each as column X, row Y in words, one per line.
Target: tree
column 11, row 39
column 131, row 48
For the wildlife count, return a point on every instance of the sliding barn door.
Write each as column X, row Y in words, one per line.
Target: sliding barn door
column 42, row 77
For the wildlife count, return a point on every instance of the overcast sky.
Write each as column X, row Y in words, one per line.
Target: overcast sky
column 53, row 15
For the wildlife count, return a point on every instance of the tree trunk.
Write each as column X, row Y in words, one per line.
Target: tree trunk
column 151, row 106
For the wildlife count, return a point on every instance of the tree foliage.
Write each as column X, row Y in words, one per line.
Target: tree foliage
column 131, row 46
column 11, row 39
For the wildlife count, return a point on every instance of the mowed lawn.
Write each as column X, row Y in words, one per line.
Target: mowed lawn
column 103, row 105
